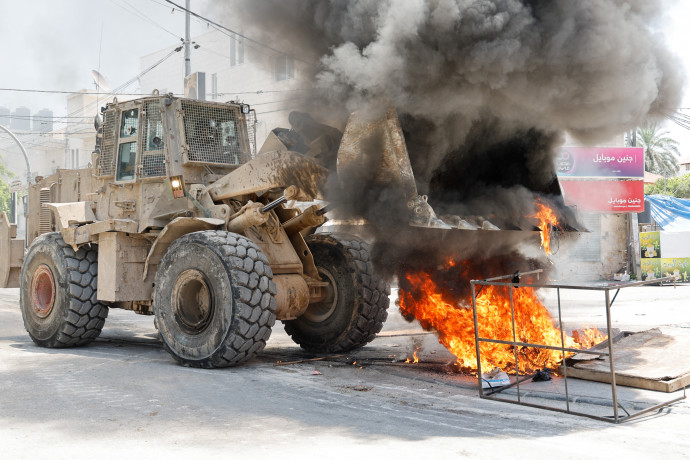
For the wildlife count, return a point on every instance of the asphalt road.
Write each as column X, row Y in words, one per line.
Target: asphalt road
column 123, row 396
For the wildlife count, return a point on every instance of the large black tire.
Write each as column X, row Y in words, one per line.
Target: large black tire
column 58, row 291
column 214, row 299
column 356, row 302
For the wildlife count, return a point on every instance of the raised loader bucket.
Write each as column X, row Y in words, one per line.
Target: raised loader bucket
column 377, row 146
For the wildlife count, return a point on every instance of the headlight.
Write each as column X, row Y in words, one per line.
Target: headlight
column 177, row 186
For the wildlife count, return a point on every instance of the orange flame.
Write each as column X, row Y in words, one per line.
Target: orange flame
column 588, row 337
column 455, row 325
column 415, row 358
column 547, row 219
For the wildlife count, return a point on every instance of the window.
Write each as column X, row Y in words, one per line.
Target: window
column 236, row 50
column 74, row 163
column 214, row 86
column 125, row 161
column 127, row 153
column 284, row 68
column 154, row 134
column 130, row 122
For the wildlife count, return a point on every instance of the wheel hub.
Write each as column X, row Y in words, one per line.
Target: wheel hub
column 42, row 291
column 323, row 309
column 192, row 301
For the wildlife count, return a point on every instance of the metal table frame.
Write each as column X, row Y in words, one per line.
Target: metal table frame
column 500, row 281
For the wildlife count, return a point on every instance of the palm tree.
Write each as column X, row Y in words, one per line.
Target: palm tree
column 660, row 150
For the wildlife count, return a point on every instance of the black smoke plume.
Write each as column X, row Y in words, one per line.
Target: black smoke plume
column 485, row 89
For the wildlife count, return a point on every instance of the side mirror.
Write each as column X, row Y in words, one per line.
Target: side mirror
column 97, row 122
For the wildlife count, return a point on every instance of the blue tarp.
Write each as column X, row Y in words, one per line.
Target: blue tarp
column 671, row 214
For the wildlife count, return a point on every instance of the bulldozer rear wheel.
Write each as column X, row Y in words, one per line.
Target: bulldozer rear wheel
column 355, row 303
column 58, row 290
column 214, row 299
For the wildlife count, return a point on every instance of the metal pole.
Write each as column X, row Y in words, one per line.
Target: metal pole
column 565, row 366
column 517, row 368
column 476, row 339
column 187, row 41
column 614, row 394
column 26, row 156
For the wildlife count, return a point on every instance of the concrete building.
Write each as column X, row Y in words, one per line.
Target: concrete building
column 20, row 119
column 43, row 121
column 4, row 116
column 684, row 164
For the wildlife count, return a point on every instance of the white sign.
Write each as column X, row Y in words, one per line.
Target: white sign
column 16, row 186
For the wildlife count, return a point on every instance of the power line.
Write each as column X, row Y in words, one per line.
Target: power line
column 143, row 17
column 42, row 133
column 41, row 117
column 234, row 31
column 115, row 93
column 284, row 109
column 679, row 119
column 59, row 91
column 276, row 102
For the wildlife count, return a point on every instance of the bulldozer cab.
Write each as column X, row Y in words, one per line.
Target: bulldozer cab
column 162, row 136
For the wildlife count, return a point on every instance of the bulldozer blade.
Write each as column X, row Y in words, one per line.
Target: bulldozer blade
column 376, row 148
column 379, row 146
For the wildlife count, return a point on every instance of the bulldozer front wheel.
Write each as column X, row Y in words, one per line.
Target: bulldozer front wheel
column 214, row 299
column 355, row 302
column 58, row 291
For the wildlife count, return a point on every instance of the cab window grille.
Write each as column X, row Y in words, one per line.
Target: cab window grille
column 107, row 156
column 45, row 217
column 153, row 158
column 212, row 133
column 251, row 132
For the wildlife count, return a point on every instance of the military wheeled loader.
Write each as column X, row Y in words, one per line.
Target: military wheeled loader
column 177, row 217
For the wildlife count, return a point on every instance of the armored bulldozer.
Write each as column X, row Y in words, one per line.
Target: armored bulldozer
column 177, row 217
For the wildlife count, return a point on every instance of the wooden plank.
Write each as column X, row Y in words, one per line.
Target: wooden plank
column 667, row 386
column 655, row 360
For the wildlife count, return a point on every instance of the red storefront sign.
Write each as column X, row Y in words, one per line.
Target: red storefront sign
column 604, row 195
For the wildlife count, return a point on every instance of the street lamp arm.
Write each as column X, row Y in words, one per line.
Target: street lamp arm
column 26, row 156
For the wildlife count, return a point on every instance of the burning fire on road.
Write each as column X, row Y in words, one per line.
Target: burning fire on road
column 431, row 297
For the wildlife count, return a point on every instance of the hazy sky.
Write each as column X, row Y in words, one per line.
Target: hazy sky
column 54, row 45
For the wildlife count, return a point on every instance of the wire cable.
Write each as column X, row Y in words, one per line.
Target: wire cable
column 235, row 32
column 143, row 17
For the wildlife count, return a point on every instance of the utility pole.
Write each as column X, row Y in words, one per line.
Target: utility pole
column 187, row 41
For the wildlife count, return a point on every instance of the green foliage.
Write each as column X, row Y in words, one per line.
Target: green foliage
column 678, row 187
column 5, row 195
column 660, row 150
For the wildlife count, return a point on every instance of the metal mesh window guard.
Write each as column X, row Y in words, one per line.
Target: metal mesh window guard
column 212, row 133
column 106, row 158
column 251, row 132
column 153, row 157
